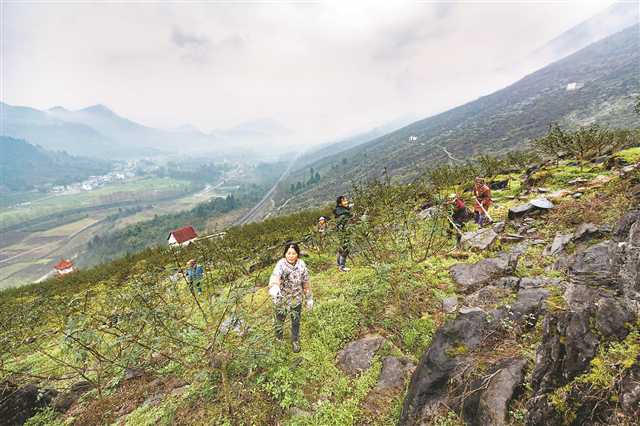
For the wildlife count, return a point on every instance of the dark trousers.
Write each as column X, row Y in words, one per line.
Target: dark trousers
column 281, row 315
column 342, row 258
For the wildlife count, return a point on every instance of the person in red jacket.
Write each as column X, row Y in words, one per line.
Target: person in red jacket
column 482, row 194
column 458, row 215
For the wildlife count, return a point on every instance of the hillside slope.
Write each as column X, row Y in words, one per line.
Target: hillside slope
column 24, row 166
column 415, row 333
column 607, row 81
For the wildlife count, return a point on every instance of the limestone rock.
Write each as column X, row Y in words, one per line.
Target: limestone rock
column 356, row 356
column 587, row 231
column 393, row 373
column 630, row 392
column 498, row 227
column 480, row 240
column 470, row 277
column 450, row 304
column 593, row 266
column 64, row 401
column 19, row 404
column 429, row 383
column 427, row 213
column 489, row 405
column 542, row 203
column 558, row 244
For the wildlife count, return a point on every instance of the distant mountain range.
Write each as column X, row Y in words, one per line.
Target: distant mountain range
column 98, row 132
column 599, row 83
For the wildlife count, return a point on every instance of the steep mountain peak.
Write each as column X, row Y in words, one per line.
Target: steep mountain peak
column 98, row 109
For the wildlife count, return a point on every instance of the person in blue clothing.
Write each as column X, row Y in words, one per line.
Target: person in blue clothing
column 194, row 274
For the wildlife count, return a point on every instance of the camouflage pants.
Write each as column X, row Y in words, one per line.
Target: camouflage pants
column 281, row 316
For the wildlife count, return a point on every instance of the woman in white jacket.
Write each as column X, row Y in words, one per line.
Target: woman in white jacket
column 288, row 287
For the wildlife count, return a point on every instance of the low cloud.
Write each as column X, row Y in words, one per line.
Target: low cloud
column 322, row 69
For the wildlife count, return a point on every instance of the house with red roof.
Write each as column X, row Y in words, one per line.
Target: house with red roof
column 182, row 236
column 64, row 267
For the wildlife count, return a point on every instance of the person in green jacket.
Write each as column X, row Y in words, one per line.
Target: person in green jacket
column 343, row 216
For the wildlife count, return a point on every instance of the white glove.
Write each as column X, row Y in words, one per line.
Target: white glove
column 274, row 292
column 309, row 303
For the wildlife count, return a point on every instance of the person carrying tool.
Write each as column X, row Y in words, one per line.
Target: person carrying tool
column 194, row 274
column 343, row 215
column 288, row 287
column 457, row 215
column 482, row 195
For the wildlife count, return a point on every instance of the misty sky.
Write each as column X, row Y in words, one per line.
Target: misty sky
column 323, row 69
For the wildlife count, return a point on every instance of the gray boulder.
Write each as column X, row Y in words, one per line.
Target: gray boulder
column 520, row 211
column 357, row 356
column 64, row 401
column 17, row 404
column 479, row 240
column 630, row 392
column 488, row 407
column 530, row 301
column 393, row 373
column 558, row 244
column 542, row 203
column 535, row 282
column 612, row 317
column 470, row 277
column 593, row 266
column 623, row 226
column 428, row 213
column 429, row 383
column 587, row 231
column 450, row 304
column 534, row 206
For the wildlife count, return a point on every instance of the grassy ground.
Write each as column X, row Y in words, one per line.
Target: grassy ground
column 133, row 314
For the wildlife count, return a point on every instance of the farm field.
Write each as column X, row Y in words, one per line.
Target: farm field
column 56, row 226
column 139, row 190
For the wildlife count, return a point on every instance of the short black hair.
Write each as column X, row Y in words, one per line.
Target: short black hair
column 339, row 200
column 294, row 246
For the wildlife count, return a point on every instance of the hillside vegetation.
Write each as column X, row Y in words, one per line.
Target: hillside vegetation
column 401, row 338
column 607, row 82
column 25, row 167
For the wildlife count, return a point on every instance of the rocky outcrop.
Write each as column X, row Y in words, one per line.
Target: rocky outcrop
column 488, row 405
column 479, row 240
column 65, row 400
column 395, row 370
column 357, row 356
column 538, row 205
column 17, row 404
column 581, row 317
column 470, row 277
column 601, row 304
column 558, row 244
column 429, row 383
column 393, row 373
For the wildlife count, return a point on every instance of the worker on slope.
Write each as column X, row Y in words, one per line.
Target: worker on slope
column 482, row 194
column 288, row 285
column 343, row 216
column 194, row 274
column 322, row 231
column 458, row 215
